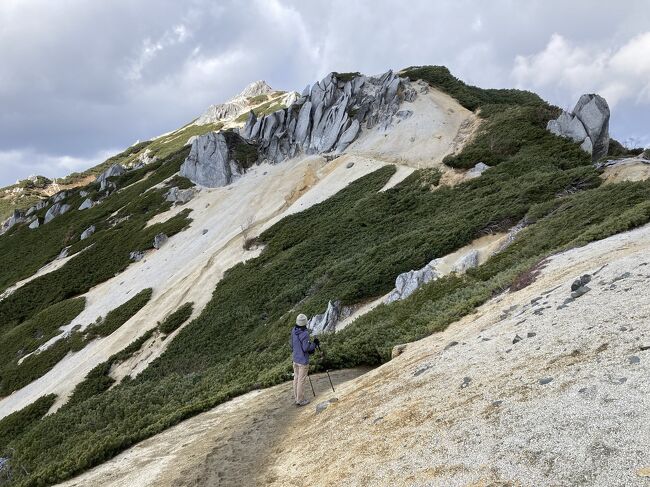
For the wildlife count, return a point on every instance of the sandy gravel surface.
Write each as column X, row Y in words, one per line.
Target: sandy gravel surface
column 226, row 446
column 567, row 404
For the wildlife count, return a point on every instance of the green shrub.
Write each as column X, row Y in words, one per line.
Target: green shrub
column 15, row 424
column 176, row 319
column 118, row 316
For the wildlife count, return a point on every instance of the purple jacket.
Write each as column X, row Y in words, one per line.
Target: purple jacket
column 300, row 345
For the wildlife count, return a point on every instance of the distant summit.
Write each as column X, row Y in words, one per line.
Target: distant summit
column 234, row 107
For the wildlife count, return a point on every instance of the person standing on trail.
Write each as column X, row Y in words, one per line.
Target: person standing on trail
column 302, row 348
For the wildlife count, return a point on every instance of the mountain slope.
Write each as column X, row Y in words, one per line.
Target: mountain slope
column 465, row 406
column 317, row 228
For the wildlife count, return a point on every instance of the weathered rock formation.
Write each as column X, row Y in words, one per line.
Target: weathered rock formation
column 88, row 203
column 56, row 210
column 136, row 255
column 87, row 232
column 34, row 224
column 114, row 170
column 59, row 197
column 160, row 240
column 467, row 261
column 328, row 116
column 477, row 170
column 588, row 124
column 212, row 161
column 179, row 196
column 326, row 322
column 409, row 282
column 18, row 216
column 145, row 158
column 38, row 206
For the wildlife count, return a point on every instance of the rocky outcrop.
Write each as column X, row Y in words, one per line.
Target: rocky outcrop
column 136, row 255
column 88, row 203
column 160, row 240
column 56, row 210
column 588, row 125
column 38, row 206
column 328, row 116
column 114, row 170
column 467, row 261
column 212, row 161
column 477, row 170
column 145, row 158
column 409, row 282
column 512, row 234
column 326, row 322
column 34, row 224
column 17, row 217
column 179, row 196
column 58, row 197
column 87, row 232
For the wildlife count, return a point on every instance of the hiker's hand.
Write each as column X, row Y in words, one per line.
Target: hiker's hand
column 316, row 341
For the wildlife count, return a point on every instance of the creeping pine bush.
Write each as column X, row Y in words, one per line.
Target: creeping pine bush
column 13, row 425
column 176, row 319
column 351, row 247
column 16, row 375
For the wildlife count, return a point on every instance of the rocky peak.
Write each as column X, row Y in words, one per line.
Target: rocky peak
column 329, row 115
column 235, row 106
column 256, row 88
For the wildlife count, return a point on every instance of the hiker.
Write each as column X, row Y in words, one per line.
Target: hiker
column 302, row 348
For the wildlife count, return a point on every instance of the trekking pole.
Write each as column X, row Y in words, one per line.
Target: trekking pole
column 326, row 370
column 312, row 386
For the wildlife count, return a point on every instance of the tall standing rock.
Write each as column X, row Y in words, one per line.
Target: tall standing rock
column 587, row 125
column 210, row 162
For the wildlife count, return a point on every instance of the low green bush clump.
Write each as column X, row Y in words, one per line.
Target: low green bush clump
column 118, row 316
column 176, row 319
column 15, row 424
column 15, row 375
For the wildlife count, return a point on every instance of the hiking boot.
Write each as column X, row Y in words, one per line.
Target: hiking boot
column 304, row 402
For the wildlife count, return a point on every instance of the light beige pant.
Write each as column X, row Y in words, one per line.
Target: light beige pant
column 299, row 378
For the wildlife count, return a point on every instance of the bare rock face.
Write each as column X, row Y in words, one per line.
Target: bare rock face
column 18, row 216
column 328, row 116
column 210, row 162
column 34, row 224
column 587, row 125
column 114, row 170
column 467, row 261
column 56, row 210
column 477, row 170
column 326, row 322
column 145, row 158
column 160, row 240
column 179, row 196
column 409, row 282
column 87, row 232
column 88, row 203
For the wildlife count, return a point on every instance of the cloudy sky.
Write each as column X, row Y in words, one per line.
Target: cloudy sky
column 83, row 79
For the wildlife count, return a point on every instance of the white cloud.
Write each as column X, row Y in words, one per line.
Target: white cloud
column 618, row 73
column 51, row 166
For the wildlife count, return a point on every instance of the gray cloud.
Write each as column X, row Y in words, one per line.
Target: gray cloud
column 82, row 79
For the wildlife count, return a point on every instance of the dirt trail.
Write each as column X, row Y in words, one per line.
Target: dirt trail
column 227, row 446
